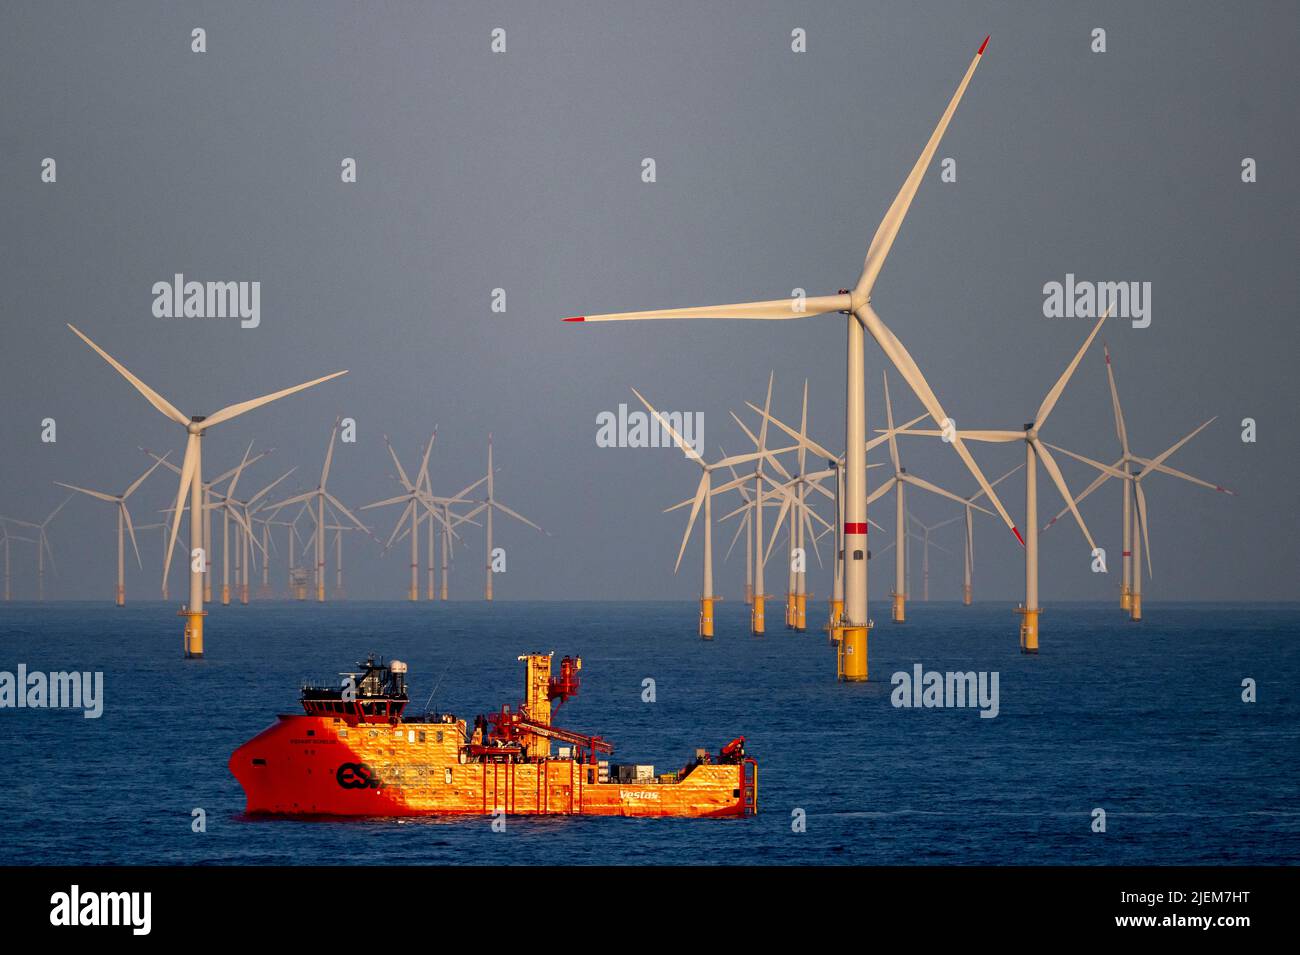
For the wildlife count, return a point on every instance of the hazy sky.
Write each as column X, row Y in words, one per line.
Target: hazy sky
column 522, row 170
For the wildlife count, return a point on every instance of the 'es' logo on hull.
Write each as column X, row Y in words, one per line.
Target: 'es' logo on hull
column 357, row 776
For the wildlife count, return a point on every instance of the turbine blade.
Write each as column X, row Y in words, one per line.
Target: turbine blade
column 235, row 410
column 187, row 478
column 803, row 428
column 1174, row 472
column 935, row 489
column 1161, row 458
column 773, row 309
column 887, row 231
column 1121, row 432
column 1049, row 463
column 889, row 420
column 907, row 367
column 100, row 495
column 346, row 513
column 740, row 526
column 881, row 491
column 140, row 480
column 1054, row 395
column 1097, row 482
column 978, row 435
column 701, row 492
column 519, row 517
column 887, row 434
column 131, row 530
column 1142, row 518
column 1108, row 469
column 804, row 440
column 151, row 396
column 760, row 443
column 329, row 453
column 678, row 440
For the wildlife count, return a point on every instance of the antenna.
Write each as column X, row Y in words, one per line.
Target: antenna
column 435, row 689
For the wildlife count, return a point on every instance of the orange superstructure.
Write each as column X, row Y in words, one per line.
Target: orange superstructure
column 354, row 752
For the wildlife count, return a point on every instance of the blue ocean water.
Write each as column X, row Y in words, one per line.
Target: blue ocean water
column 1145, row 721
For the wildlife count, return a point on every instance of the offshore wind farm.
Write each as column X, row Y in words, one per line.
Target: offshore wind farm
column 810, row 536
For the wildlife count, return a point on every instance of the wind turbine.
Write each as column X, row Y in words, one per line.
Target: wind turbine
column 319, row 497
column 799, row 531
column 703, row 497
column 856, row 305
column 296, row 578
column 490, row 505
column 42, row 544
column 926, row 544
column 223, row 504
column 417, row 495
column 1035, row 450
column 247, row 544
column 123, row 518
column 208, row 508
column 192, row 482
column 968, row 573
column 1127, row 460
column 5, row 538
column 411, row 498
column 1134, row 480
column 835, row 468
column 161, row 526
column 898, row 483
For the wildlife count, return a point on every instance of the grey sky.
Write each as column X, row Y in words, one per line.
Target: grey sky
column 522, row 170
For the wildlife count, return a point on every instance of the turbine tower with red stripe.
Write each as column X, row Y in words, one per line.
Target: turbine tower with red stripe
column 855, row 304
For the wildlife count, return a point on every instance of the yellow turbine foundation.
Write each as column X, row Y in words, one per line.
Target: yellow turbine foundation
column 1028, row 629
column 706, row 618
column 225, row 594
column 800, row 612
column 900, row 608
column 1125, row 598
column 833, row 629
column 193, row 632
column 1135, row 605
column 121, row 596
column 965, row 594
column 243, row 593
column 851, row 655
column 757, row 620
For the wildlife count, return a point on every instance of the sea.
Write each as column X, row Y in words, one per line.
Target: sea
column 1171, row 741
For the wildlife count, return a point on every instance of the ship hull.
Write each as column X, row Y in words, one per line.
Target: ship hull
column 322, row 766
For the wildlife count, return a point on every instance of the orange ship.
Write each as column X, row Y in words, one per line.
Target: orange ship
column 354, row 752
